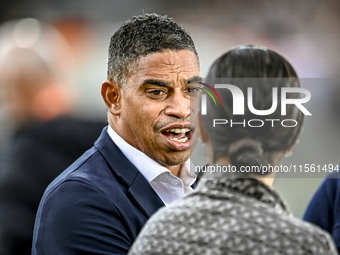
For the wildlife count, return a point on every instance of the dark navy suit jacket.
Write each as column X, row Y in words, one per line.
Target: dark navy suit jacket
column 324, row 208
column 96, row 206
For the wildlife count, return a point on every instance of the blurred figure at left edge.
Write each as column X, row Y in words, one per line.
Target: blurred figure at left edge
column 39, row 136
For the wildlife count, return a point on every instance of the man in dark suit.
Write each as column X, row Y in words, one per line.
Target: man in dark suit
column 141, row 160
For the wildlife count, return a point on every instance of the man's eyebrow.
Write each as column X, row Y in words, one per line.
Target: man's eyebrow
column 166, row 84
column 194, row 79
column 155, row 82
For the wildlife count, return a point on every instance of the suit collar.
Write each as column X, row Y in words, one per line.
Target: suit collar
column 138, row 187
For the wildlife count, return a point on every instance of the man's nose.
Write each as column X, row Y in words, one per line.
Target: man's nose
column 178, row 106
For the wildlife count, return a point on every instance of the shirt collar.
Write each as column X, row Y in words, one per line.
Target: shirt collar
column 153, row 169
column 187, row 173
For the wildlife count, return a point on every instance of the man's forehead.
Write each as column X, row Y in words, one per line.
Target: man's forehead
column 171, row 56
column 167, row 62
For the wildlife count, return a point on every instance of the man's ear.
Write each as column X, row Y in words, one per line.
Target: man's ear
column 204, row 135
column 111, row 93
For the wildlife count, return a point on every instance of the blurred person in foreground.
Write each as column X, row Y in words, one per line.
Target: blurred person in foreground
column 323, row 209
column 45, row 139
column 235, row 212
column 140, row 162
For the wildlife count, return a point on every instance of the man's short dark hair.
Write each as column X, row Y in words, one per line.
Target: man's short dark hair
column 141, row 36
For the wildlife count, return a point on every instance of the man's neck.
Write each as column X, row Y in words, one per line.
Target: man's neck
column 174, row 169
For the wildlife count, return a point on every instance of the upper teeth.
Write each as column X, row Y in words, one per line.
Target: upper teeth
column 179, row 130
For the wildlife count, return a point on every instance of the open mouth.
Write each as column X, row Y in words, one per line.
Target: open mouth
column 180, row 135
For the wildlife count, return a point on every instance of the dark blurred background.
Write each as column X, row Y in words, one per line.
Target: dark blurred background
column 77, row 35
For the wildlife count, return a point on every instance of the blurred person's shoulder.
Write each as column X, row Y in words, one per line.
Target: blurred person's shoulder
column 65, row 128
column 62, row 139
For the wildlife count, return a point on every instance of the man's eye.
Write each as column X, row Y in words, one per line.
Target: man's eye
column 156, row 93
column 193, row 91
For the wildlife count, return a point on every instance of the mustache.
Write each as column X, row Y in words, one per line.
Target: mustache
column 171, row 120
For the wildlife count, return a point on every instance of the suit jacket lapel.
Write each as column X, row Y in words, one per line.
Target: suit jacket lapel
column 139, row 190
column 144, row 195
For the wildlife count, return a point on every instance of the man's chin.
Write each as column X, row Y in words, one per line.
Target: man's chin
column 176, row 158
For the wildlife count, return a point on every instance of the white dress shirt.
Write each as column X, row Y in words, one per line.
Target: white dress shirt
column 167, row 186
